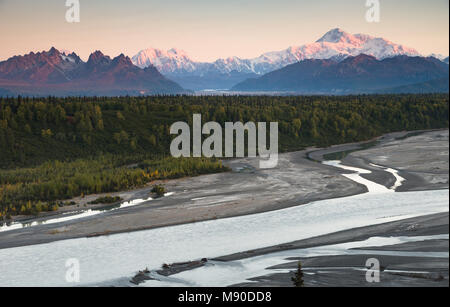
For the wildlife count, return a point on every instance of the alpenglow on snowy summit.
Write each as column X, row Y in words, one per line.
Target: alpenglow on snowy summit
column 224, row 73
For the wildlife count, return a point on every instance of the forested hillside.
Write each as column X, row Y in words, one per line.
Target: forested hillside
column 58, row 148
column 33, row 131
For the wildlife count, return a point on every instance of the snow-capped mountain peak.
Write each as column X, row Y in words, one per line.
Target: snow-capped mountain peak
column 337, row 36
column 438, row 56
column 166, row 61
column 335, row 44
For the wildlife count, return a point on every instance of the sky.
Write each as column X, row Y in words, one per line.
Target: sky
column 211, row 29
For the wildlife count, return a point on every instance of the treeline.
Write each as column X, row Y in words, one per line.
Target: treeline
column 33, row 131
column 36, row 189
column 57, row 148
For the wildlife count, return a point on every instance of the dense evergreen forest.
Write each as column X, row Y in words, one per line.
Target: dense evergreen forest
column 53, row 149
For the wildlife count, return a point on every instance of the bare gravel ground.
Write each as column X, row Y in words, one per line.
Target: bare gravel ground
column 350, row 270
column 423, row 160
column 246, row 190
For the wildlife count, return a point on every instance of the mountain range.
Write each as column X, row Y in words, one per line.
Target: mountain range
column 62, row 74
column 336, row 44
column 338, row 62
column 358, row 74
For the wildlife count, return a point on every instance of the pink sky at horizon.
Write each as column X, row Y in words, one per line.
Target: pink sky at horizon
column 208, row 30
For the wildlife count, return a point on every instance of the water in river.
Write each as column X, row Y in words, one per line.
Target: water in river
column 115, row 259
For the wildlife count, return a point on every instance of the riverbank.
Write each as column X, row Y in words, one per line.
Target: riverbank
column 421, row 157
column 246, row 190
column 114, row 260
column 402, row 264
column 410, row 251
column 414, row 253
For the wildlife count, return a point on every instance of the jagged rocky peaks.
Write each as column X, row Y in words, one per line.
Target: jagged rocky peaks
column 63, row 73
column 98, row 57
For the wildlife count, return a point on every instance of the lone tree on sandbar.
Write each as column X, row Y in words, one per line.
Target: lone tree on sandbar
column 298, row 278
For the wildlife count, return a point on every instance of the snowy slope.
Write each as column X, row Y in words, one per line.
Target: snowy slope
column 166, row 61
column 335, row 44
